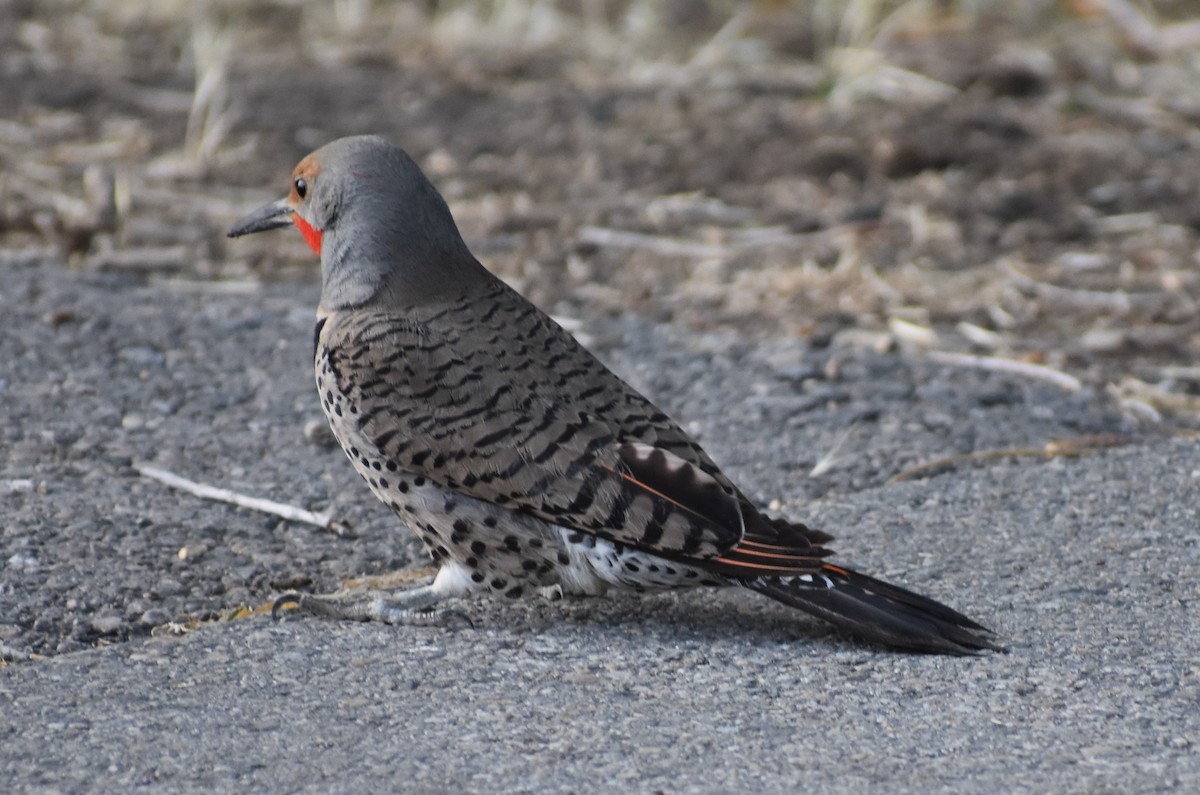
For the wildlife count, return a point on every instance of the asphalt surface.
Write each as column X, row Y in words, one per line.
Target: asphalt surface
column 1089, row 567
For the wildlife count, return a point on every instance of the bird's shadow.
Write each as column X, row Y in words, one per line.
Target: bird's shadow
column 667, row 618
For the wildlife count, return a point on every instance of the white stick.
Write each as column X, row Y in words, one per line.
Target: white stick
column 1118, row 302
column 291, row 513
column 667, row 246
column 747, row 240
column 1068, row 382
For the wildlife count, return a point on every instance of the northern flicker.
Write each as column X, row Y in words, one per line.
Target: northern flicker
column 521, row 461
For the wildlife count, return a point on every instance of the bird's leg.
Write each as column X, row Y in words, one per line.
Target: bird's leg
column 412, row 607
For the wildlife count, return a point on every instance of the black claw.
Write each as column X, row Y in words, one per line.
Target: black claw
column 449, row 616
column 282, row 602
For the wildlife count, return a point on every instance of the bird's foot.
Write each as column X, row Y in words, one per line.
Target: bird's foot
column 414, row 607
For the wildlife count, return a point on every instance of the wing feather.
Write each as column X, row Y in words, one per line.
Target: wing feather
column 568, row 441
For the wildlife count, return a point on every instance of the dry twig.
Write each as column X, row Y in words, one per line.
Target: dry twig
column 146, row 258
column 1117, row 302
column 679, row 247
column 289, row 512
column 1055, row 448
column 1039, row 371
column 1158, row 397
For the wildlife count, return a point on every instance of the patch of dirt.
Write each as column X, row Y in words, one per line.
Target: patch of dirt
column 1042, row 186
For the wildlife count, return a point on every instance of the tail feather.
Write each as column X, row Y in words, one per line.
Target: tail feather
column 878, row 611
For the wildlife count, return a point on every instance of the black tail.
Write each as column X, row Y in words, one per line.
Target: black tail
column 878, row 611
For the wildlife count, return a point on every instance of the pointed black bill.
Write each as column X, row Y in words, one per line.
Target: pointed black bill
column 272, row 216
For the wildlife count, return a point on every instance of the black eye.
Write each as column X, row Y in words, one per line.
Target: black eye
column 301, row 185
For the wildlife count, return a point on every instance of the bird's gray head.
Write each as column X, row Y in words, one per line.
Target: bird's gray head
column 384, row 234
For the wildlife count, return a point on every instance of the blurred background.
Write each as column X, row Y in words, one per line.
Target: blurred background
column 1009, row 179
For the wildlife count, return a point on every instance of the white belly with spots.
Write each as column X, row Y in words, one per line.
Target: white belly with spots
column 597, row 564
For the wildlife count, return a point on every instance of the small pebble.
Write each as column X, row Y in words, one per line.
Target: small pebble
column 153, row 617
column 108, row 624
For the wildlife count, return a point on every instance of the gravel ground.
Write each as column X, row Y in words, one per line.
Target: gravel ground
column 217, row 388
column 1037, row 201
column 1088, row 566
